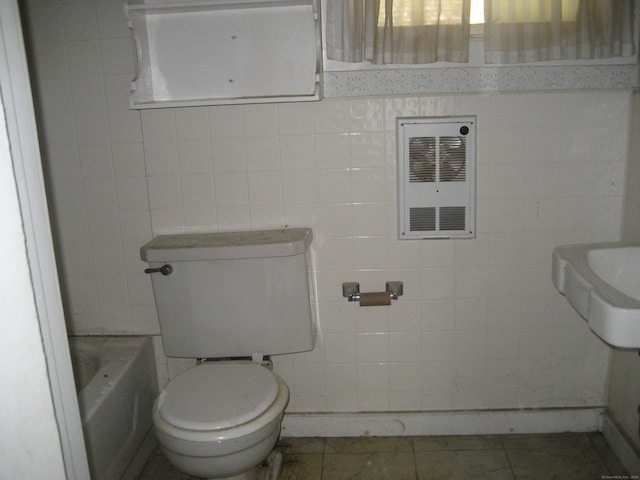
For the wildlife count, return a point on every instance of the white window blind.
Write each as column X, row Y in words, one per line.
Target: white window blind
column 526, row 31
column 515, row 31
column 398, row 32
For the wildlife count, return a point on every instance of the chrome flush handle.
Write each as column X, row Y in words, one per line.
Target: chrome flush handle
column 165, row 270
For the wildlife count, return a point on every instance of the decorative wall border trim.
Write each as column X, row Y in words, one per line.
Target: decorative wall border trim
column 478, row 79
column 471, row 422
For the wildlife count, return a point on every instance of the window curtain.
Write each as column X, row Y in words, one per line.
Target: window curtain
column 524, row 31
column 398, row 31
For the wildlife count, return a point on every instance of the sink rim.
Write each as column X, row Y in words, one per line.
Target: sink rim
column 599, row 261
column 608, row 312
column 575, row 257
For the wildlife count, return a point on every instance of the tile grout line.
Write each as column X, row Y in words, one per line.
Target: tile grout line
column 415, row 460
column 506, row 453
column 324, row 448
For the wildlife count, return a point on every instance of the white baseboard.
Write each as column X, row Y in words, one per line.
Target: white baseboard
column 620, row 445
column 470, row 422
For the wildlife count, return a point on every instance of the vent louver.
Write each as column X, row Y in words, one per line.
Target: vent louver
column 436, row 174
column 422, row 219
column 422, row 159
column 453, row 218
column 453, row 159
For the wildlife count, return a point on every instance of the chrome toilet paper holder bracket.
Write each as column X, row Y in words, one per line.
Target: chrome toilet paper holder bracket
column 351, row 290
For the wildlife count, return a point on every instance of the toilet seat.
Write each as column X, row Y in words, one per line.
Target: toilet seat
column 217, row 395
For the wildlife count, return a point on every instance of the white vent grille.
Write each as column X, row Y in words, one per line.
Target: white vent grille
column 436, row 177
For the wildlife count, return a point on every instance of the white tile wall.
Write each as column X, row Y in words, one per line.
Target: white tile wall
column 632, row 211
column 480, row 324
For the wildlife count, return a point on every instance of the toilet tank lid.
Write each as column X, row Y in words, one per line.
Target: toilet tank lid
column 227, row 245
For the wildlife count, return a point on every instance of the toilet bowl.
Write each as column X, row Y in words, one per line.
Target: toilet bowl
column 225, row 295
column 220, row 419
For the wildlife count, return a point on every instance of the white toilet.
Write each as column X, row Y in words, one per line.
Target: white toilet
column 228, row 299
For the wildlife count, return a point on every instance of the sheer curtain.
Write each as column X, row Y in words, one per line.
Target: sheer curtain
column 523, row 31
column 398, row 31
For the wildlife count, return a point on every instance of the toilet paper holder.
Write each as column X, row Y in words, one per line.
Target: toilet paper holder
column 351, row 290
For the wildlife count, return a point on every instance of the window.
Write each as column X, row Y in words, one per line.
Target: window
column 528, row 31
column 514, row 31
column 404, row 13
column 477, row 12
column 416, row 32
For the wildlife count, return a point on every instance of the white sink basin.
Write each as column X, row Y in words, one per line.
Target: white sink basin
column 602, row 282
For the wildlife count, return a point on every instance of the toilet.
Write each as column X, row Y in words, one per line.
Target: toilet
column 229, row 300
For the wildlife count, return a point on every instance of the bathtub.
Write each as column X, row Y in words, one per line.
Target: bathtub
column 115, row 380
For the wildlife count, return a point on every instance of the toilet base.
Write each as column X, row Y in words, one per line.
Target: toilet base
column 268, row 470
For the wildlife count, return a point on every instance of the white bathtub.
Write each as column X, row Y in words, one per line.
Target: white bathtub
column 115, row 379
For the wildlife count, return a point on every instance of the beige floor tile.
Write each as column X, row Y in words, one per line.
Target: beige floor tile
column 159, row 468
column 369, row 466
column 597, row 439
column 466, row 442
column 368, row 444
column 288, row 445
column 494, row 457
column 463, row 465
column 556, row 440
column 562, row 463
column 301, row 467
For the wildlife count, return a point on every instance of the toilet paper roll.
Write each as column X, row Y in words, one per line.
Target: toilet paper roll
column 375, row 299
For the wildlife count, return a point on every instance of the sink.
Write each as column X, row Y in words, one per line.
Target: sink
column 602, row 282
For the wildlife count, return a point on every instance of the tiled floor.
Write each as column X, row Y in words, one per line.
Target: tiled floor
column 558, row 456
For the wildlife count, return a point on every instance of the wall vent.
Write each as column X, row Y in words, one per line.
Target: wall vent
column 436, row 177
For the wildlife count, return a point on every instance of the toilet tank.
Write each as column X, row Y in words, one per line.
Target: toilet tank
column 233, row 294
